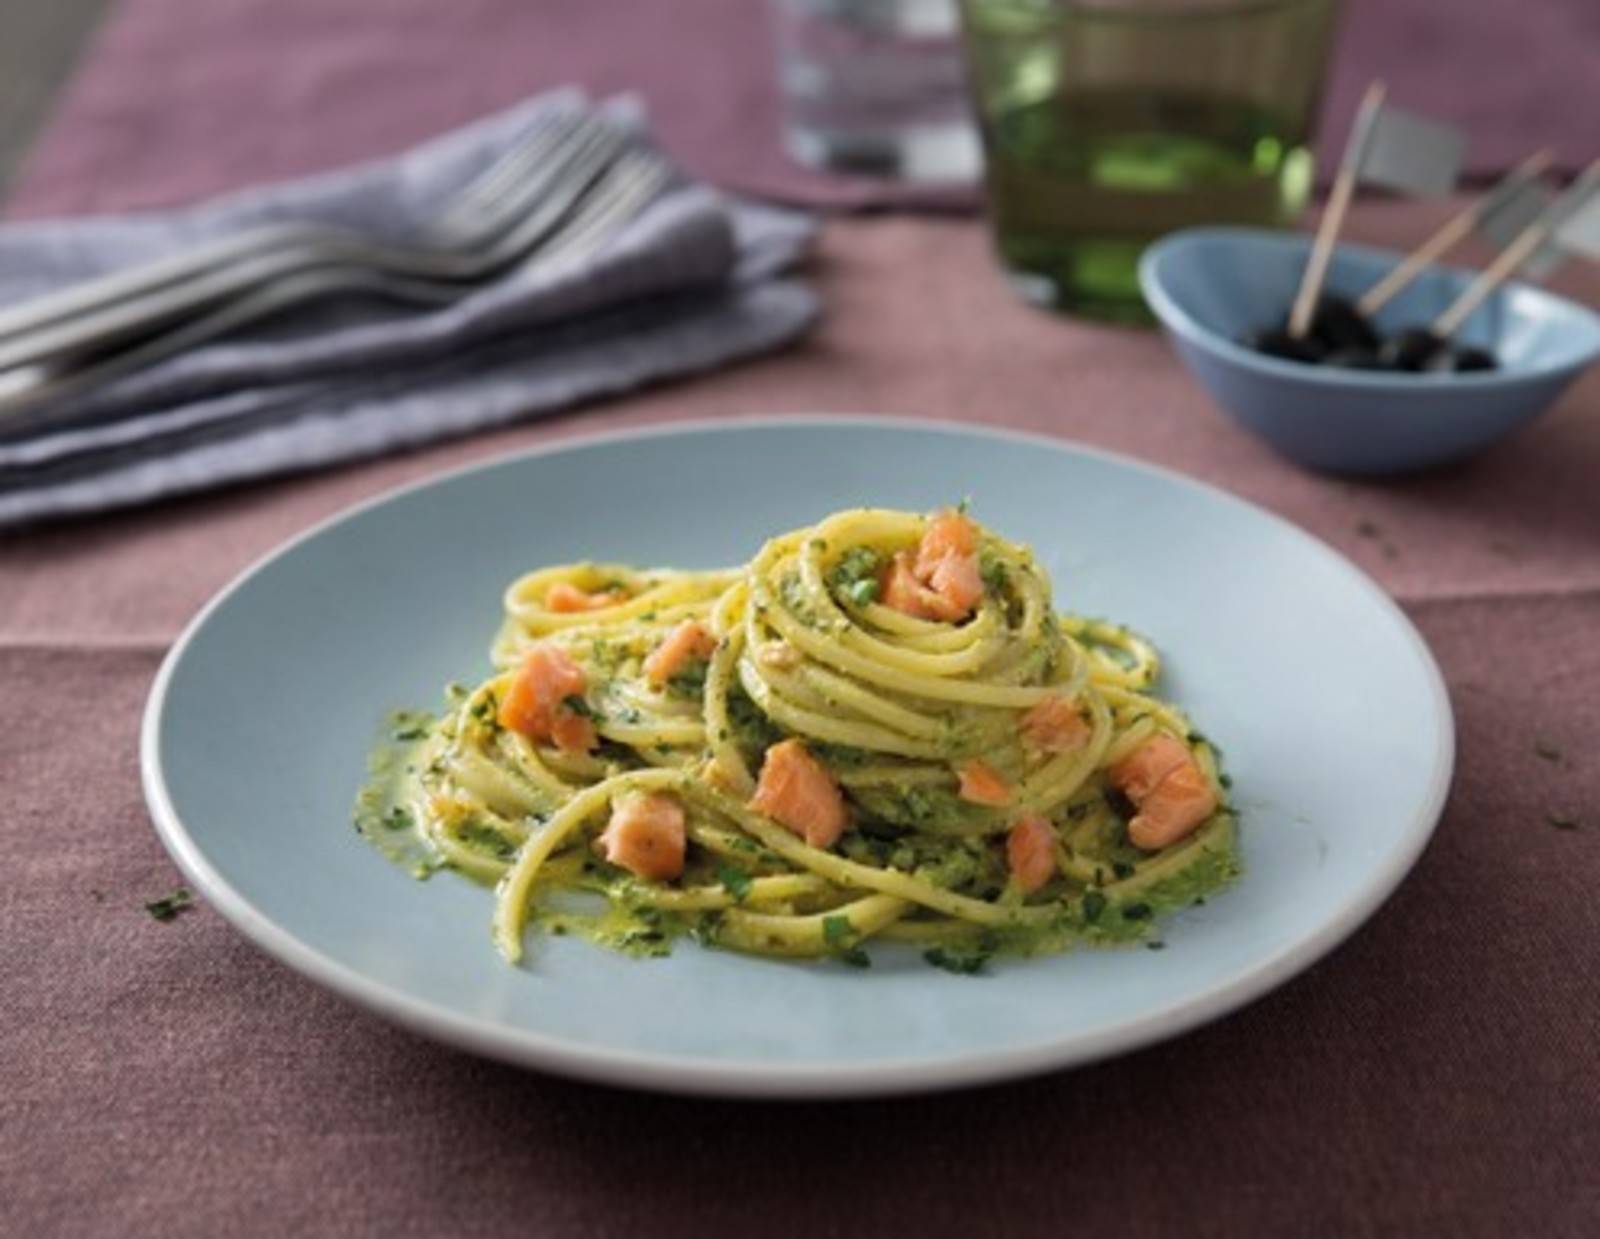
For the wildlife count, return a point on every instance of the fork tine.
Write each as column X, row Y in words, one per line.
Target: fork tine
column 519, row 220
column 126, row 285
column 590, row 147
column 596, row 197
column 490, row 203
column 626, row 188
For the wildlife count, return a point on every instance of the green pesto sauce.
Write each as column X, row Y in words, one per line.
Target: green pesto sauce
column 945, row 848
column 382, row 814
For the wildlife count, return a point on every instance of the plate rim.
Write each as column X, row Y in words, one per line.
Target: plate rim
column 758, row 1078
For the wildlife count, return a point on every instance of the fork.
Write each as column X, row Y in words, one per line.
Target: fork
column 500, row 214
column 620, row 192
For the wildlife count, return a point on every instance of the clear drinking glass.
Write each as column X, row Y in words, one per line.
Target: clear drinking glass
column 876, row 86
column 1108, row 123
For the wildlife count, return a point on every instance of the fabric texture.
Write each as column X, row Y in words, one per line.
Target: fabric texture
column 197, row 79
column 685, row 286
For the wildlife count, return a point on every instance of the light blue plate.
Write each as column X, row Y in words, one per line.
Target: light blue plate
column 1332, row 714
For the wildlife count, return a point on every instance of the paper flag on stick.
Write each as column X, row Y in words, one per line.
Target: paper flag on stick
column 1389, row 147
column 1537, row 249
column 1574, row 230
column 1581, row 232
column 1509, row 208
column 1408, row 153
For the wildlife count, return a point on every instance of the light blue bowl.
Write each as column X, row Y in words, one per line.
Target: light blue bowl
column 1209, row 286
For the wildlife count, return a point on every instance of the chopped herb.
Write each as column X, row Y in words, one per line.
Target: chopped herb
column 168, row 906
column 855, row 957
column 991, row 571
column 964, row 506
column 1094, row 903
column 861, row 593
column 411, row 731
column 579, row 706
column 841, row 754
column 1155, row 945
column 1136, row 912
column 1225, row 779
column 397, row 818
column 1371, row 529
column 837, row 930
column 1562, row 821
column 855, row 576
column 485, row 838
column 1547, row 750
column 961, row 965
column 1199, row 902
column 690, row 682
column 753, row 731
column 707, row 928
column 1122, row 869
column 735, row 880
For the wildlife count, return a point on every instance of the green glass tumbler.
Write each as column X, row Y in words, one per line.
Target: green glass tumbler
column 1108, row 123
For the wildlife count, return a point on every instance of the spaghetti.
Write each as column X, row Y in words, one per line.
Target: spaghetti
column 878, row 729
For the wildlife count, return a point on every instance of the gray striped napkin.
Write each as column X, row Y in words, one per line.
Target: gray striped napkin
column 693, row 282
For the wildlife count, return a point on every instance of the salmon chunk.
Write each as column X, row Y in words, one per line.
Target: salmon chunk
column 1169, row 790
column 1054, row 726
column 948, row 533
column 538, row 703
column 981, row 783
column 1137, row 774
column 941, row 581
column 1031, row 852
column 901, row 591
column 956, row 580
column 645, row 836
column 688, row 641
column 796, row 790
column 566, row 597
column 1180, row 803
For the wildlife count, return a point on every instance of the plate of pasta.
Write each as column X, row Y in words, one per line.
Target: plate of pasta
column 799, row 757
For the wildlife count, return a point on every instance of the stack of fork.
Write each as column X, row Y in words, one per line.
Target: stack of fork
column 542, row 256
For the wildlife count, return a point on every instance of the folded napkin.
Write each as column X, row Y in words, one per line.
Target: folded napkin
column 692, row 282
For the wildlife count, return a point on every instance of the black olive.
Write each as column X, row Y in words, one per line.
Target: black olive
column 1276, row 342
column 1411, row 349
column 1354, row 359
column 1471, row 358
column 1339, row 325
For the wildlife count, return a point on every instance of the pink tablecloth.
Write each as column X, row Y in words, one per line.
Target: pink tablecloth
column 1435, row 1076
column 186, row 97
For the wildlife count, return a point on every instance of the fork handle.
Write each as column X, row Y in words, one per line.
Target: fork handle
column 267, row 300
column 42, row 312
column 105, row 327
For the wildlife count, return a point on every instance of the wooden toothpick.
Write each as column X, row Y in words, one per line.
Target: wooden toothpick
column 1522, row 247
column 1344, row 187
column 1449, row 235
